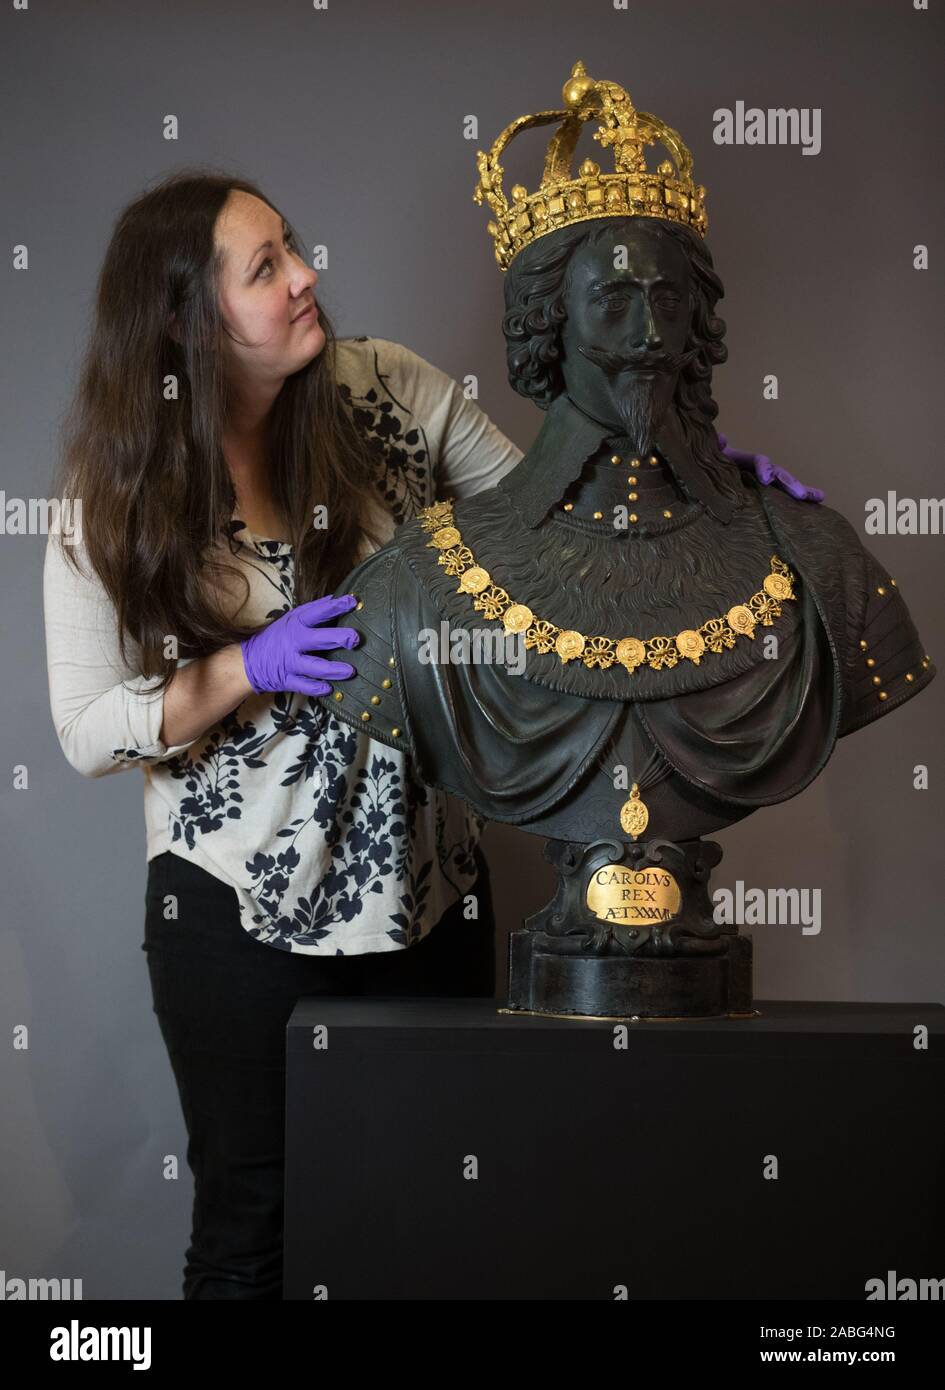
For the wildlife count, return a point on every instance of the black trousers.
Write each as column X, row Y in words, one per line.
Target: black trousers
column 223, row 1000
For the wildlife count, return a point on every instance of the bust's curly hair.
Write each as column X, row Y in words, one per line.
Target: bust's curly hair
column 536, row 289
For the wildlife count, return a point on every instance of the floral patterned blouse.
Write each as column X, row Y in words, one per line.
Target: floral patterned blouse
column 330, row 843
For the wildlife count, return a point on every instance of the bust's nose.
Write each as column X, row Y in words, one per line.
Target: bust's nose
column 650, row 339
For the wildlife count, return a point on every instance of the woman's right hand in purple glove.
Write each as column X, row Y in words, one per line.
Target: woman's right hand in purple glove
column 276, row 658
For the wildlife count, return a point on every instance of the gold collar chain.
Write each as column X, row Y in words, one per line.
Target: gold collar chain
column 656, row 652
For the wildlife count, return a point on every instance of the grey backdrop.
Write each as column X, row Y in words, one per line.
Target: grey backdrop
column 352, row 119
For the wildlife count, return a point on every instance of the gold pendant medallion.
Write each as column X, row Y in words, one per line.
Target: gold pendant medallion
column 634, row 817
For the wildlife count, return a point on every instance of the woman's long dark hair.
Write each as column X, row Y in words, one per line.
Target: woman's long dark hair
column 536, row 290
column 146, row 460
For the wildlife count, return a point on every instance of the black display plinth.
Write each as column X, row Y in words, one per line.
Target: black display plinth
column 611, row 1156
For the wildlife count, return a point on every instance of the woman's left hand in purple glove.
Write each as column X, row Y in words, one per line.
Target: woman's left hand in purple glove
column 766, row 472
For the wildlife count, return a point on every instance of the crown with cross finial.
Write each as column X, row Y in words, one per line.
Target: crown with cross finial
column 560, row 200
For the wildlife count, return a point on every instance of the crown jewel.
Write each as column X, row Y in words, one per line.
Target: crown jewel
column 631, row 191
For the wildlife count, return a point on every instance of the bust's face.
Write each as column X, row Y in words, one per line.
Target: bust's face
column 628, row 319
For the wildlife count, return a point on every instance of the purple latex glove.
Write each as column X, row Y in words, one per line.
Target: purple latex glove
column 766, row 472
column 275, row 659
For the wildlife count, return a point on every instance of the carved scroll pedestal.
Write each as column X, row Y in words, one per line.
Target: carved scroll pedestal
column 629, row 933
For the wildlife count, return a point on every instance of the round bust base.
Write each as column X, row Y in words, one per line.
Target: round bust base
column 545, row 982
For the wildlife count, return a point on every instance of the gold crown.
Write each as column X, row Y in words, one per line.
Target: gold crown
column 561, row 200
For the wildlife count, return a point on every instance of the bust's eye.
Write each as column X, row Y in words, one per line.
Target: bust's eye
column 668, row 302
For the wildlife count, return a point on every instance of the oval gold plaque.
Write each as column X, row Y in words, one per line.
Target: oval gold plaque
column 634, row 897
column 569, row 644
column 777, row 586
column 517, row 618
column 630, row 652
column 741, row 619
column 474, row 580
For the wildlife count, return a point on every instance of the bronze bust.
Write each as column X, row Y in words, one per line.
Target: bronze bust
column 690, row 644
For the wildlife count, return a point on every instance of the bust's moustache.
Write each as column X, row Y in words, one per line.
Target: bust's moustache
column 614, row 362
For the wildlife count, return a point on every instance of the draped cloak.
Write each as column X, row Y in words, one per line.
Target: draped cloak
column 538, row 749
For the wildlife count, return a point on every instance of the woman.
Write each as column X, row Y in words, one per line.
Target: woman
column 234, row 461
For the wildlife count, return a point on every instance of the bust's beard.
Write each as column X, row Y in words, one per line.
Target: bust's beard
column 642, row 405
